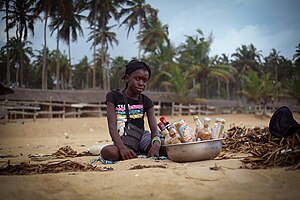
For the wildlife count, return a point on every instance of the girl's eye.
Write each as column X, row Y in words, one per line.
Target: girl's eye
column 136, row 78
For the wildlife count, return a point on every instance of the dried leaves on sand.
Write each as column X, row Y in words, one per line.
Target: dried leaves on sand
column 50, row 167
column 264, row 149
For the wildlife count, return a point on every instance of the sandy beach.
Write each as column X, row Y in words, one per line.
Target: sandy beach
column 153, row 179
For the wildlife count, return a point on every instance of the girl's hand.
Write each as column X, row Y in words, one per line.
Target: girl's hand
column 127, row 153
column 154, row 150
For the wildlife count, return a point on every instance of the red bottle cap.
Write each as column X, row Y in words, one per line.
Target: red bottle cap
column 163, row 120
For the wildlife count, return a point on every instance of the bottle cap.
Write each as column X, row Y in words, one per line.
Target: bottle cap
column 163, row 119
column 206, row 120
column 195, row 117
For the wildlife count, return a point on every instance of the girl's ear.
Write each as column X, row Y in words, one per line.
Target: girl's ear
column 126, row 77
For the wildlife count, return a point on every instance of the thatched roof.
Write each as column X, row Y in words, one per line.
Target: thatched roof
column 94, row 96
column 68, row 96
column 73, row 96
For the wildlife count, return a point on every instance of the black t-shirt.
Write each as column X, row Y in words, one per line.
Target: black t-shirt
column 137, row 109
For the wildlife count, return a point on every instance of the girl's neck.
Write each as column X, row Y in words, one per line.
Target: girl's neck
column 130, row 94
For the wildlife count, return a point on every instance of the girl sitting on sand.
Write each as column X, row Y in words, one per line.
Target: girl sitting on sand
column 136, row 77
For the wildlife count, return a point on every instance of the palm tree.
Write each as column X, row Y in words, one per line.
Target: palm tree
column 138, row 12
column 21, row 50
column 219, row 71
column 117, row 71
column 82, row 74
column 294, row 86
column 69, row 28
column 296, row 56
column 48, row 8
column 101, row 11
column 104, row 37
column 5, row 4
column 178, row 82
column 160, row 60
column 153, row 35
column 259, row 88
column 23, row 17
column 245, row 58
column 194, row 56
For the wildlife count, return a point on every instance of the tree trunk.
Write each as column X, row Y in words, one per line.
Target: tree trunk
column 44, row 78
column 57, row 62
column 87, row 79
column 218, row 86
column 70, row 74
column 21, row 68
column 140, row 31
column 94, row 60
column 104, row 77
column 7, row 45
column 94, row 56
column 227, row 89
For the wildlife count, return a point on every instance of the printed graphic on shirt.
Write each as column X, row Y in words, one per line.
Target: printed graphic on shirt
column 135, row 112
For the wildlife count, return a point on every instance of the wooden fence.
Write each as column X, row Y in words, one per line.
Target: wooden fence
column 20, row 111
column 14, row 111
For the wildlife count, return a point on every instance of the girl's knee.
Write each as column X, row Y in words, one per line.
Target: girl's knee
column 110, row 153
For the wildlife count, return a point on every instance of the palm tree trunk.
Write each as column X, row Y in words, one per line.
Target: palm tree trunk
column 227, row 89
column 218, row 86
column 7, row 45
column 104, row 78
column 94, row 58
column 70, row 74
column 140, row 31
column 87, row 79
column 44, row 54
column 21, row 68
column 57, row 62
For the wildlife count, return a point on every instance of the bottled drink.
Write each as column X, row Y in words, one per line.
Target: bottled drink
column 214, row 130
column 165, row 133
column 205, row 132
column 185, row 131
column 220, row 132
column 175, row 136
column 163, row 129
column 198, row 123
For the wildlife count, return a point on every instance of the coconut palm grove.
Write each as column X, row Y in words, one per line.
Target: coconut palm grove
column 187, row 70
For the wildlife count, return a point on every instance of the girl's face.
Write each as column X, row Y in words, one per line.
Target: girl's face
column 137, row 80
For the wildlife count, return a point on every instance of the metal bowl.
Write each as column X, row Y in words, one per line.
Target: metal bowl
column 194, row 151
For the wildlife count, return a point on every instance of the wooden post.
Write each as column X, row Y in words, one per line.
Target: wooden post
column 180, row 109
column 50, row 108
column 100, row 109
column 64, row 110
column 173, row 107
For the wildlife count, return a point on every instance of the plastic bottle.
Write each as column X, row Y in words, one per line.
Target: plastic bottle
column 198, row 123
column 175, row 136
column 205, row 132
column 185, row 131
column 164, row 132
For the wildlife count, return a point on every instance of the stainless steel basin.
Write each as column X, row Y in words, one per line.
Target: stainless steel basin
column 194, row 151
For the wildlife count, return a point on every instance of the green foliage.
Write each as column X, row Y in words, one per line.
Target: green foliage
column 294, row 86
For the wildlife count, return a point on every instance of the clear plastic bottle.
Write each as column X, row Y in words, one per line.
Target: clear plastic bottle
column 198, row 123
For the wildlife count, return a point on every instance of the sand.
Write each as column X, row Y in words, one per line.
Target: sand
column 192, row 180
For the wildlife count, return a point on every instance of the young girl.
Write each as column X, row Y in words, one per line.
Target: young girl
column 137, row 75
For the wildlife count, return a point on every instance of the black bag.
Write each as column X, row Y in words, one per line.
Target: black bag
column 283, row 124
column 132, row 134
column 132, row 137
